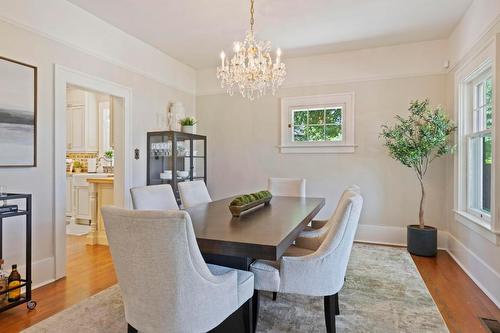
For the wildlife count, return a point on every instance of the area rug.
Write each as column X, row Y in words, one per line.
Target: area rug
column 383, row 293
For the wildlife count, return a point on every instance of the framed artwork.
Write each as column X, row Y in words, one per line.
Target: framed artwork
column 18, row 106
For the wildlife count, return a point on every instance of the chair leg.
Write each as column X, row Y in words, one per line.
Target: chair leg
column 248, row 318
column 337, row 307
column 330, row 313
column 275, row 295
column 131, row 329
column 255, row 310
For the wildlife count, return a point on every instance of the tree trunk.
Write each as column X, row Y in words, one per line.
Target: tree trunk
column 421, row 212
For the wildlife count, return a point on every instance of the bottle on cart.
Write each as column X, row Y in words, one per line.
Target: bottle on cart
column 14, row 281
column 4, row 278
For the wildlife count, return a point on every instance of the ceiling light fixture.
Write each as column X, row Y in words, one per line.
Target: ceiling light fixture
column 251, row 69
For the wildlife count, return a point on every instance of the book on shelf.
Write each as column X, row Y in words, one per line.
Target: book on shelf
column 8, row 209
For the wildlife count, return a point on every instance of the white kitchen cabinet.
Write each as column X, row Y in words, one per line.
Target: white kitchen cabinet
column 77, row 196
column 76, row 129
column 69, row 195
column 82, row 122
column 82, row 211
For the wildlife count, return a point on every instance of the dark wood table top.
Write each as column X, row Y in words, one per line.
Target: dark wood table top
column 264, row 233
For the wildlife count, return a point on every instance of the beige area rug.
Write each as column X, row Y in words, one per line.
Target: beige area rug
column 384, row 293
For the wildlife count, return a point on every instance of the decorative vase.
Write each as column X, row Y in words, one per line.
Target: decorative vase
column 422, row 241
column 177, row 113
column 189, row 129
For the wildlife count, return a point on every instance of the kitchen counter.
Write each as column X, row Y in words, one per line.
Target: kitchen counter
column 101, row 191
column 106, row 180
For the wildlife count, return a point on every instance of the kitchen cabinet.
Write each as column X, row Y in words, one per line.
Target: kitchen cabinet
column 69, row 196
column 78, row 196
column 82, row 123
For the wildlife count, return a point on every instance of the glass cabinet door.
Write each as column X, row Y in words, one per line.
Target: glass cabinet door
column 160, row 160
column 175, row 157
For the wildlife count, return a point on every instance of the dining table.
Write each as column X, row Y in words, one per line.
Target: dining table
column 264, row 232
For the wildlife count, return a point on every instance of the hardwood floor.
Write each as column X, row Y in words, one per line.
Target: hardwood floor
column 459, row 299
column 90, row 270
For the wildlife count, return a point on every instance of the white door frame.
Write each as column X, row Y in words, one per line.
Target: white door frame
column 62, row 77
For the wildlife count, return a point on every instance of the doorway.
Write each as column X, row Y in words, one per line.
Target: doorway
column 82, row 144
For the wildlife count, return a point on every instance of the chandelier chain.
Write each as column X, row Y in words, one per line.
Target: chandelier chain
column 252, row 21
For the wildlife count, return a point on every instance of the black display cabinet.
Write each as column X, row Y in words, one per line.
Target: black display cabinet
column 25, row 283
column 175, row 157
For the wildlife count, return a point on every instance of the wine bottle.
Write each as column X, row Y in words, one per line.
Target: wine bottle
column 14, row 281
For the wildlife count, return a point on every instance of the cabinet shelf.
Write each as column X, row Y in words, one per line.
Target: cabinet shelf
column 11, row 214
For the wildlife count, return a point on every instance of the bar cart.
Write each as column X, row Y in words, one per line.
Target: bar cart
column 175, row 157
column 25, row 283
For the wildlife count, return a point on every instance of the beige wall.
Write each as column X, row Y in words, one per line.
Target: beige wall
column 148, row 98
column 243, row 138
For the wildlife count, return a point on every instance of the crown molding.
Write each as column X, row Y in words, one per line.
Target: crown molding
column 99, row 55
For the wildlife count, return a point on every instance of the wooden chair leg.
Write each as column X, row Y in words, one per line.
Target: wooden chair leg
column 255, row 310
column 330, row 313
column 275, row 295
column 131, row 329
column 248, row 318
column 337, row 307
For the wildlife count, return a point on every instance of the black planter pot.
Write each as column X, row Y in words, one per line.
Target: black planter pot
column 422, row 242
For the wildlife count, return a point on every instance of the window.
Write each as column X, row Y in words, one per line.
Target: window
column 318, row 124
column 475, row 146
column 479, row 151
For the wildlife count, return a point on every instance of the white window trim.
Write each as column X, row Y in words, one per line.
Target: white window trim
column 463, row 78
column 346, row 145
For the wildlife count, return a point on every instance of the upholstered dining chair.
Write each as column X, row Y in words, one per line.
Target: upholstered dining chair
column 193, row 193
column 287, row 187
column 154, row 197
column 309, row 269
column 165, row 284
column 320, row 227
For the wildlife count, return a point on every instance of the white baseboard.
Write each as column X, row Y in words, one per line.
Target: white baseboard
column 485, row 277
column 394, row 236
column 42, row 272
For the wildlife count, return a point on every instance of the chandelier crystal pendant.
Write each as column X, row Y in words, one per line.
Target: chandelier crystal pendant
column 251, row 69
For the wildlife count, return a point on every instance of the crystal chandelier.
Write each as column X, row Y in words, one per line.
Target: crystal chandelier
column 251, row 70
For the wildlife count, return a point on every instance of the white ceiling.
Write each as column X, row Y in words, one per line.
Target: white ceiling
column 194, row 31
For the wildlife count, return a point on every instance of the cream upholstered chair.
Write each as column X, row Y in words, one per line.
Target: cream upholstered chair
column 154, row 197
column 165, row 284
column 319, row 228
column 193, row 193
column 287, row 187
column 317, row 224
column 309, row 269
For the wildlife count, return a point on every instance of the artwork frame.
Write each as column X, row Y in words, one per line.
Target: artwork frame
column 18, row 113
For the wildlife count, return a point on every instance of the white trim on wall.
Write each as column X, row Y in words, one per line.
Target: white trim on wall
column 62, row 77
column 469, row 69
column 343, row 100
column 393, row 236
column 485, row 277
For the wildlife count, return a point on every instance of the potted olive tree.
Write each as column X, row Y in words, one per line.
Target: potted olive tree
column 415, row 142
